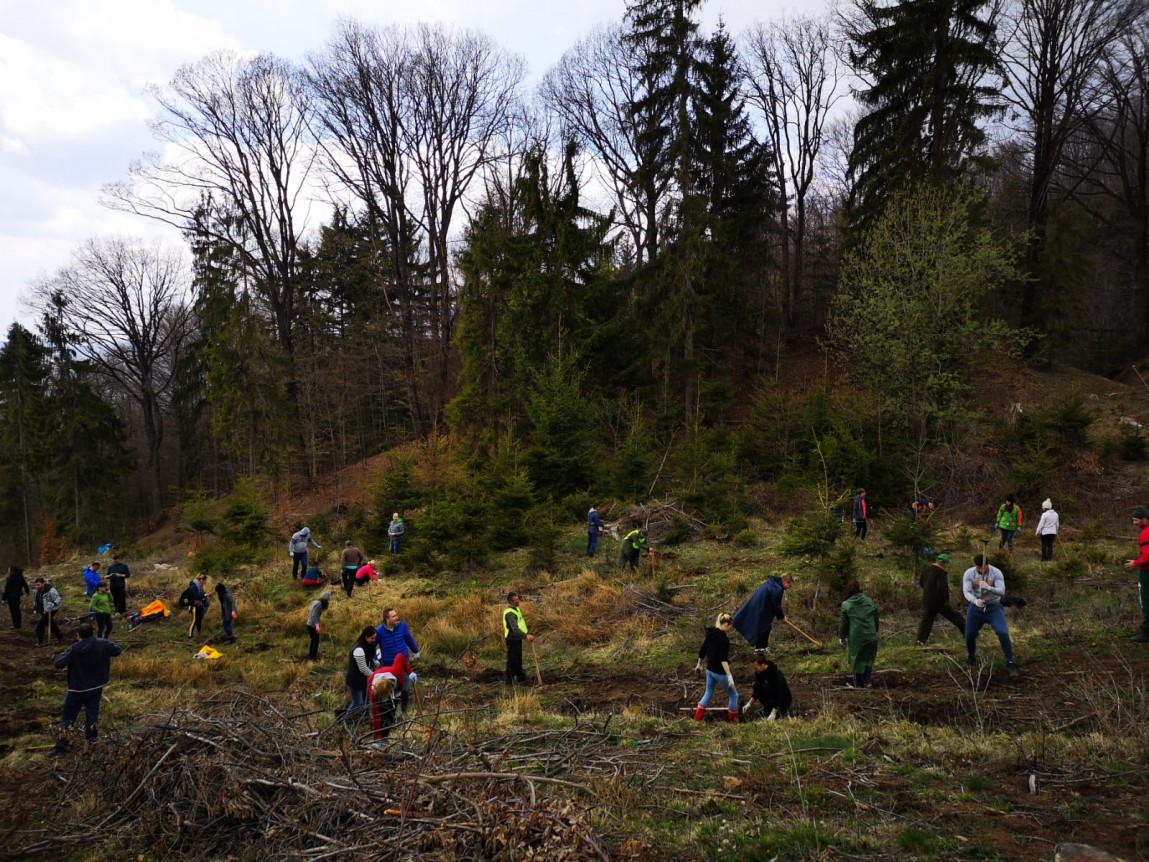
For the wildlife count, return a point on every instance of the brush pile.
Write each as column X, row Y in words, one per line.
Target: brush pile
column 241, row 780
column 660, row 518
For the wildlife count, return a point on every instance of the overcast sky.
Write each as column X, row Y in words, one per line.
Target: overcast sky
column 73, row 111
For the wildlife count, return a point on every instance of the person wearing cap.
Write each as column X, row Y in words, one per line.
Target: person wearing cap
column 632, row 544
column 351, row 560
column 300, row 539
column 395, row 531
column 1047, row 527
column 983, row 586
column 1141, row 519
column 316, row 611
column 936, row 598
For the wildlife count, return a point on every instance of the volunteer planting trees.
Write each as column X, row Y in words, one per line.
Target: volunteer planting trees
column 858, row 629
column 228, row 611
column 984, row 586
column 632, row 544
column 298, row 547
column 715, row 650
column 313, row 616
column 45, row 602
column 393, row 638
column 593, row 528
column 755, row 618
column 1008, row 521
column 350, row 562
column 771, row 697
column 360, row 663
column 15, row 588
column 101, row 608
column 1140, row 519
column 936, row 598
column 1047, row 528
column 117, row 576
column 514, row 633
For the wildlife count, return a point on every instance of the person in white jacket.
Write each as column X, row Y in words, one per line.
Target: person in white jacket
column 1047, row 528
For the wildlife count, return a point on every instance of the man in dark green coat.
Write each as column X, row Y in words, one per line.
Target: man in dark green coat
column 936, row 598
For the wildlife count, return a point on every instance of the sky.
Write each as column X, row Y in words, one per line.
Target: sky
column 74, row 108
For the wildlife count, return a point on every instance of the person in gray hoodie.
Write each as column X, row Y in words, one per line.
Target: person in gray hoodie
column 298, row 546
column 317, row 608
column 89, row 664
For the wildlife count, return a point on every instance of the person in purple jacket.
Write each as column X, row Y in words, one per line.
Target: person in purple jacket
column 393, row 638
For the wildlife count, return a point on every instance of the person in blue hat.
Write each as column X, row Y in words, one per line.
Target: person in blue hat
column 936, row 598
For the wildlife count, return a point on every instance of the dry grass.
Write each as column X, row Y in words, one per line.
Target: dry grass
column 583, row 611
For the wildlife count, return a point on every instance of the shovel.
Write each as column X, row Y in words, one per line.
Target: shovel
column 814, row 641
column 538, row 671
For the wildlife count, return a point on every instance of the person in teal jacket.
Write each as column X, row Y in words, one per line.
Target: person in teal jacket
column 858, row 628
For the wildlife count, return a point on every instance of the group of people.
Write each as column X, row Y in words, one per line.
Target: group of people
column 379, row 675
column 355, row 568
column 633, row 544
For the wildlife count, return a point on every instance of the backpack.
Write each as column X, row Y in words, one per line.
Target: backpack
column 187, row 598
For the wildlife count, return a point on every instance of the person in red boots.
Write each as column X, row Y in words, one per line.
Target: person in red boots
column 715, row 650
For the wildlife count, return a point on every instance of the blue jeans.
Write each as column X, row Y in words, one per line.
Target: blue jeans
column 994, row 616
column 1006, row 538
column 298, row 564
column 227, row 625
column 74, row 701
column 395, row 542
column 719, row 679
column 591, row 544
column 358, row 698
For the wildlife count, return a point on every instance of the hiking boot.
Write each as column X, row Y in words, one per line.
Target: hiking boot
column 1012, row 670
column 971, row 661
column 1142, row 637
column 699, row 712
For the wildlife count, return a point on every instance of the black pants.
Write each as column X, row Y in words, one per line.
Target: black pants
column 42, row 626
column 930, row 614
column 1047, row 545
column 515, row 661
column 313, row 652
column 14, row 609
column 103, row 625
column 628, row 557
column 197, row 619
column 120, row 600
column 860, row 529
column 347, row 575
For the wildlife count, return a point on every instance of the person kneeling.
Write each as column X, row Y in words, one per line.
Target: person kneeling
column 313, row 577
column 771, row 698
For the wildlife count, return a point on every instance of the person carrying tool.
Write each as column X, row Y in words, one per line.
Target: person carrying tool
column 351, row 560
column 514, row 633
column 1047, row 528
column 45, row 602
column 983, row 586
column 593, row 528
column 858, row 629
column 1141, row 520
column 715, row 650
column 1009, row 518
column 755, row 618
column 936, row 598
column 632, row 544
column 771, row 697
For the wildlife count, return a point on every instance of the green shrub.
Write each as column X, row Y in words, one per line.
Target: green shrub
column 509, row 525
column 813, row 533
column 221, row 561
column 543, row 537
column 745, row 538
column 680, row 531
column 1015, row 577
column 246, row 518
column 838, row 567
column 200, row 512
column 1134, row 447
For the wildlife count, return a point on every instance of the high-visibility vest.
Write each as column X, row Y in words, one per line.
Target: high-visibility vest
column 517, row 613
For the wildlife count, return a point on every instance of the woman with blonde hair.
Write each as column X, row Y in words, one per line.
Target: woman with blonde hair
column 716, row 650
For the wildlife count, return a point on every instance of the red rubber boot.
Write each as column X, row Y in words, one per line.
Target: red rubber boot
column 733, row 716
column 699, row 712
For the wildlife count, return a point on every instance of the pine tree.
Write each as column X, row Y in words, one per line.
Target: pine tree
column 927, row 64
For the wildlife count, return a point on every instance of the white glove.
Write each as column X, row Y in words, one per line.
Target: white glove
column 414, row 677
column 980, row 603
column 730, row 681
column 773, row 715
column 415, row 656
column 698, row 666
column 841, row 641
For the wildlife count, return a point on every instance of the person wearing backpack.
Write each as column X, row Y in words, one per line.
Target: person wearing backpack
column 197, row 600
column 227, row 609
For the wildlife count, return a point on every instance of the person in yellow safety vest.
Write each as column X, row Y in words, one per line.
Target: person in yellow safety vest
column 632, row 544
column 514, row 633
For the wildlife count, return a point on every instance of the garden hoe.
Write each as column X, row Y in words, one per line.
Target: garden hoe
column 814, row 641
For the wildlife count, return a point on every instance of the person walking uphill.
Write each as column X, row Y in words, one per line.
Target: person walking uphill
column 1009, row 519
column 92, row 579
column 860, row 514
column 632, row 544
column 593, row 529
column 89, row 664
column 298, row 547
column 101, row 608
column 45, row 603
column 15, row 588
column 313, row 616
column 858, row 629
column 514, row 633
column 983, row 586
column 755, row 618
column 1141, row 519
column 936, row 598
column 715, row 650
column 351, row 560
column 117, row 576
column 395, row 531
column 1047, row 527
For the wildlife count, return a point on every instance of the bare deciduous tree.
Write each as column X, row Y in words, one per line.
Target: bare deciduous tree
column 793, row 76
column 125, row 304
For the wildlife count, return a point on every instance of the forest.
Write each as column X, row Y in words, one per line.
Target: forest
column 592, row 284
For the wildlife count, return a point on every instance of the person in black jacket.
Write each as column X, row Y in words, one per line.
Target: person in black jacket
column 360, row 663
column 15, row 588
column 771, row 695
column 716, row 650
column 89, row 664
column 936, row 598
column 117, row 577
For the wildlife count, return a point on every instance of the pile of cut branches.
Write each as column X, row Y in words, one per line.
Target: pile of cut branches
column 659, row 517
column 239, row 779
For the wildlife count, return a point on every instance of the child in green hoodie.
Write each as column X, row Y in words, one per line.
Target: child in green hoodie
column 101, row 608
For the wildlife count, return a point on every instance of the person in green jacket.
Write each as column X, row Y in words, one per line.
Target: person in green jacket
column 858, row 628
column 1008, row 521
column 632, row 544
column 101, row 608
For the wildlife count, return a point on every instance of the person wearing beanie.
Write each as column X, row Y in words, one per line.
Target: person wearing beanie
column 1047, row 528
column 936, row 598
column 1141, row 519
column 317, row 608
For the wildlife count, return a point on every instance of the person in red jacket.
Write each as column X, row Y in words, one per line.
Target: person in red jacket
column 1141, row 519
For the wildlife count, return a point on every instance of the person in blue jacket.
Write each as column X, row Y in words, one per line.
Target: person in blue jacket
column 91, row 579
column 393, row 638
column 755, row 618
column 593, row 528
